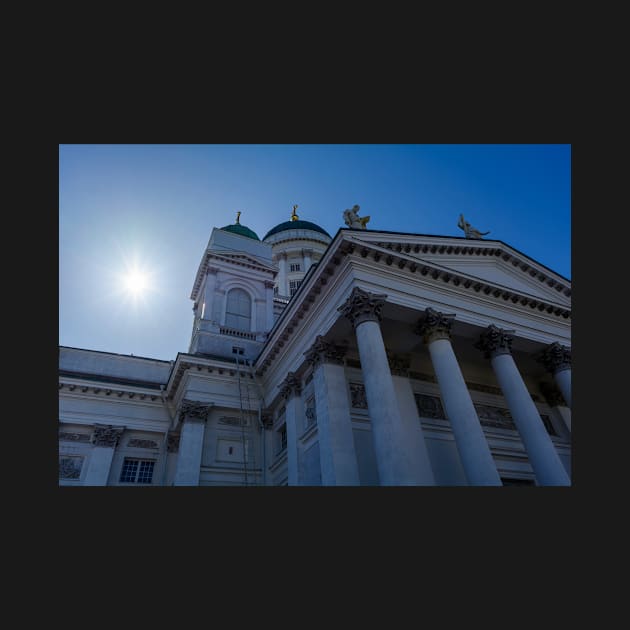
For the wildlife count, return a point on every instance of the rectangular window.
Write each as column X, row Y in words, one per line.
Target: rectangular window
column 237, row 350
column 70, row 467
column 296, row 267
column 294, row 285
column 137, row 471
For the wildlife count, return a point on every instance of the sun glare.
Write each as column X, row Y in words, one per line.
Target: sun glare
column 136, row 282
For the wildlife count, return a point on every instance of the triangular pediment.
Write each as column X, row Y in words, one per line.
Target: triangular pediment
column 492, row 262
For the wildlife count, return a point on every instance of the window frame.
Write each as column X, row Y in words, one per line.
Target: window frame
column 139, row 460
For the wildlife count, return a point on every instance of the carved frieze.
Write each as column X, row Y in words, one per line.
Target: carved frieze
column 494, row 341
column 491, row 416
column 291, row 386
column 358, row 399
column 234, row 421
column 429, row 406
column 363, row 306
column 67, row 436
column 324, row 352
column 435, row 325
column 555, row 357
column 106, row 435
column 70, row 467
column 138, row 443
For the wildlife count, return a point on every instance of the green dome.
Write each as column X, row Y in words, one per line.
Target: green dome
column 296, row 225
column 237, row 228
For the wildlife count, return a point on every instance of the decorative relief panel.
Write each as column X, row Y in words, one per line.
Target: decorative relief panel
column 234, row 421
column 357, row 396
column 66, row 436
column 70, row 467
column 429, row 406
column 497, row 417
column 137, row 443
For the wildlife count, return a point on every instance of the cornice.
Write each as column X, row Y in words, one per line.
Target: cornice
column 105, row 389
column 206, row 366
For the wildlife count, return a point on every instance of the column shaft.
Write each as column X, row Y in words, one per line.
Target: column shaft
column 414, row 439
column 563, row 381
column 337, row 454
column 395, row 466
column 472, row 445
column 189, row 458
column 541, row 451
column 99, row 466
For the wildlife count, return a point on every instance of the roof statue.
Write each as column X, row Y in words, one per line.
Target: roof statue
column 294, row 216
column 353, row 220
column 238, row 216
column 469, row 230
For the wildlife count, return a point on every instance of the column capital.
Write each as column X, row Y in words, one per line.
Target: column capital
column 106, row 435
column 172, row 442
column 435, row 325
column 363, row 306
column 494, row 341
column 291, row 386
column 555, row 357
column 282, row 256
column 398, row 364
column 269, row 284
column 307, row 252
column 325, row 352
column 194, row 411
column 552, row 395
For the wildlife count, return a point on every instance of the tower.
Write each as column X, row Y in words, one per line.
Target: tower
column 233, row 294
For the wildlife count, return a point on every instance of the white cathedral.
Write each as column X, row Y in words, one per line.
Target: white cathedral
column 368, row 358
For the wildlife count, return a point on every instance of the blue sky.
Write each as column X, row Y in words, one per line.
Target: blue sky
column 152, row 208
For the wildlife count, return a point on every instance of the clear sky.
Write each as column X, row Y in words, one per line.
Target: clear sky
column 148, row 210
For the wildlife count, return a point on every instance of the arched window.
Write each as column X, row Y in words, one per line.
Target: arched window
column 238, row 311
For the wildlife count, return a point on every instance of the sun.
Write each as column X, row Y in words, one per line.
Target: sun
column 135, row 282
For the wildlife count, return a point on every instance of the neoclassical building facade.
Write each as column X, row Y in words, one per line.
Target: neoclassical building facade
column 367, row 358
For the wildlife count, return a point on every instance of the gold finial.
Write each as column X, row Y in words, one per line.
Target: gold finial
column 238, row 216
column 294, row 216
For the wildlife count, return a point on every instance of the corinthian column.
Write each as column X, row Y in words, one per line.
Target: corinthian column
column 337, row 456
column 291, row 391
column 395, row 467
column 472, row 445
column 496, row 344
column 105, row 439
column 194, row 415
column 557, row 359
